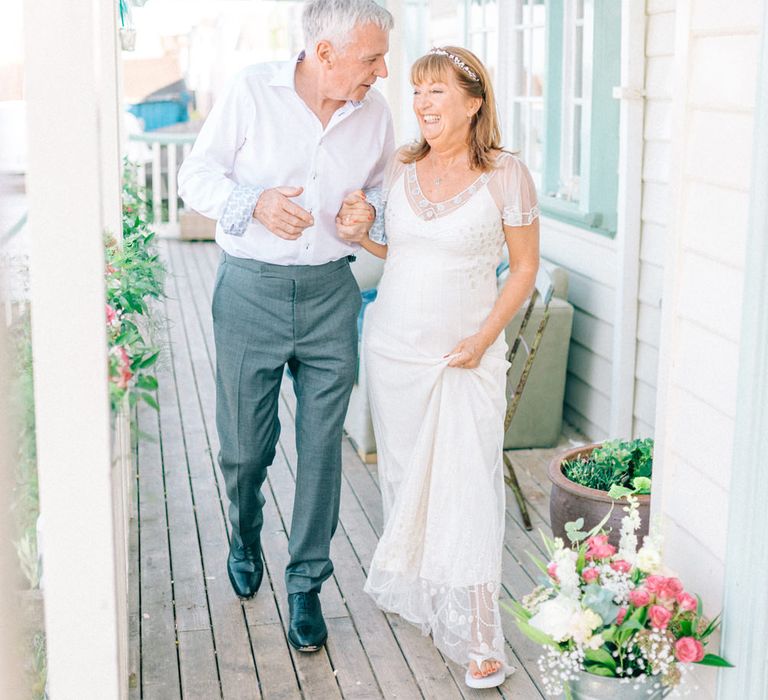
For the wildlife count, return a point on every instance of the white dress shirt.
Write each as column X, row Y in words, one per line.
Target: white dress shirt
column 261, row 134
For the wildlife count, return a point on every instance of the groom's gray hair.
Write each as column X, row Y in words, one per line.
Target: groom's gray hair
column 334, row 20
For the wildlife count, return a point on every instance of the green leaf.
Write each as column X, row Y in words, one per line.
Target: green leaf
column 600, row 600
column 600, row 656
column 148, row 360
column 642, row 485
column 715, row 660
column 596, row 670
column 146, row 381
column 150, row 400
column 618, row 492
column 516, row 609
column 574, row 532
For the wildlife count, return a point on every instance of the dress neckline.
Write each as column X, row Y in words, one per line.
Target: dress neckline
column 472, row 184
column 428, row 210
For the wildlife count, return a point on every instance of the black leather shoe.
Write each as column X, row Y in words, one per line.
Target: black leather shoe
column 307, row 631
column 245, row 569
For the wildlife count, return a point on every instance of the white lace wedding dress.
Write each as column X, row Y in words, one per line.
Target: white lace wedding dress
column 438, row 428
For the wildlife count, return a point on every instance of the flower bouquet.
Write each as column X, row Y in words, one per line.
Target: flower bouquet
column 608, row 612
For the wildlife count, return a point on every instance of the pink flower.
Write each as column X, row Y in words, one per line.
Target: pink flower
column 687, row 602
column 124, row 367
column 623, row 567
column 689, row 650
column 654, row 583
column 660, row 616
column 670, row 589
column 590, row 574
column 598, row 547
column 552, row 570
column 111, row 316
column 620, row 617
column 639, row 597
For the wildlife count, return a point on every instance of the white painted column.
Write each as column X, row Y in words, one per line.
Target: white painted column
column 745, row 609
column 73, row 197
column 629, row 217
column 10, row 638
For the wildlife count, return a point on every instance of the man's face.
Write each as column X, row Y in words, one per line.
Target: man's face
column 357, row 66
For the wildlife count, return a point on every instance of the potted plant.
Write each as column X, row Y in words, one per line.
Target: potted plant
column 610, row 623
column 587, row 480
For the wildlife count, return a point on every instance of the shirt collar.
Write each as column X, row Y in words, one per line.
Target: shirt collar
column 286, row 77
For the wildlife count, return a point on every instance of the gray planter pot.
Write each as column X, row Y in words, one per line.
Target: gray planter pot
column 590, row 687
column 570, row 501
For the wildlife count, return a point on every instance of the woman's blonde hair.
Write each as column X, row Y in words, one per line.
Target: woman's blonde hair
column 484, row 132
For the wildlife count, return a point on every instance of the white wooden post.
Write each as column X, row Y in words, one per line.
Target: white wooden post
column 173, row 195
column 745, row 613
column 630, row 92
column 73, row 198
column 10, row 666
column 157, row 174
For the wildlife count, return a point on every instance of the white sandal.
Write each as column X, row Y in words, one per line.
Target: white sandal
column 490, row 681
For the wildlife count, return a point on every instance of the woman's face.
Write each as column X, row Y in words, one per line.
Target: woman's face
column 443, row 110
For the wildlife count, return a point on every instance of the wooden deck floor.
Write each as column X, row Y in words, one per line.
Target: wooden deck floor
column 190, row 636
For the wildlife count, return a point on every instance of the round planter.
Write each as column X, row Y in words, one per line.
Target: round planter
column 590, row 687
column 570, row 501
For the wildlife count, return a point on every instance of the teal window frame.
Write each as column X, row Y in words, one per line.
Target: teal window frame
column 596, row 208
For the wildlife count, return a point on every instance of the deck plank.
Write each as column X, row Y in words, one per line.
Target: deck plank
column 159, row 656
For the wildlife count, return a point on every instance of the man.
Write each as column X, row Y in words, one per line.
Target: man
column 280, row 153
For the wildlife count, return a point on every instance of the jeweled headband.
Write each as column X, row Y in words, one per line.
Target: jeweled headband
column 459, row 63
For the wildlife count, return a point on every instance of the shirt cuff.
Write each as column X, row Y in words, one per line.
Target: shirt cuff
column 238, row 211
column 375, row 197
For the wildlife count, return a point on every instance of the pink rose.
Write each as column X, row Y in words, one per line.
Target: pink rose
column 654, row 583
column 689, row 650
column 111, row 315
column 598, row 547
column 590, row 574
column 687, row 602
column 620, row 617
column 660, row 616
column 552, row 570
column 670, row 589
column 639, row 597
column 623, row 567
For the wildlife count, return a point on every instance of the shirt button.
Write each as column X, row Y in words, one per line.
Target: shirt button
column 314, row 176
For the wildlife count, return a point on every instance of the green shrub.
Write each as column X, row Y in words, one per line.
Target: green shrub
column 615, row 463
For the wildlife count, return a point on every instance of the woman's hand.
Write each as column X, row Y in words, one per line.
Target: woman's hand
column 355, row 218
column 468, row 353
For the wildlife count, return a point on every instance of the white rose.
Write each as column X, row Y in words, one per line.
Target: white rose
column 554, row 617
column 648, row 560
column 583, row 624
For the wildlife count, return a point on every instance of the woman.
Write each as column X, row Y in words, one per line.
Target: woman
column 435, row 357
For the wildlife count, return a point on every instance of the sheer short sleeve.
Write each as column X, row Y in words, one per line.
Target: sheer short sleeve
column 394, row 169
column 514, row 192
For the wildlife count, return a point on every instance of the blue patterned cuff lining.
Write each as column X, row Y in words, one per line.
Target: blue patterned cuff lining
column 375, row 197
column 238, row 210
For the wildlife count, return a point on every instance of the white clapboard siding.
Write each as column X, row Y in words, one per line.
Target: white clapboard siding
column 716, row 68
column 590, row 262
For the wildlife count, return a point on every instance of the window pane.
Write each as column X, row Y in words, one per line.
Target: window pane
column 539, row 62
column 536, row 156
column 576, row 165
column 578, row 62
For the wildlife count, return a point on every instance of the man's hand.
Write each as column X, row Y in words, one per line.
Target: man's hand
column 355, row 218
column 280, row 215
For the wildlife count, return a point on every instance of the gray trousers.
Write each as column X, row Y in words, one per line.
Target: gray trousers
column 264, row 318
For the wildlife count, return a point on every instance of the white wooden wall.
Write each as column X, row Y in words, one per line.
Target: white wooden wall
column 714, row 84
